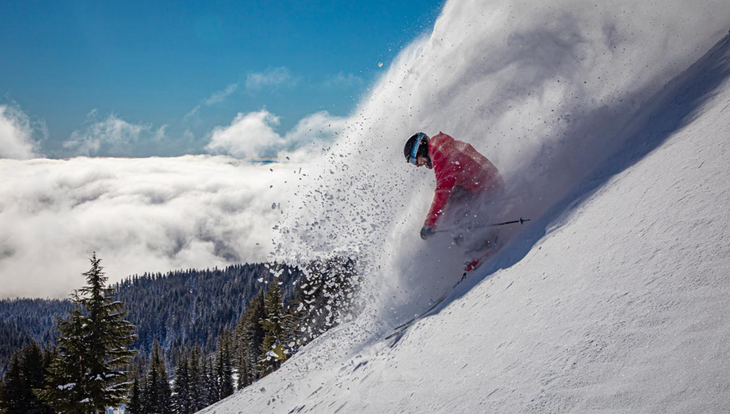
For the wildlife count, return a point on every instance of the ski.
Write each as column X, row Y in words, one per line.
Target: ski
column 402, row 327
column 475, row 264
column 399, row 330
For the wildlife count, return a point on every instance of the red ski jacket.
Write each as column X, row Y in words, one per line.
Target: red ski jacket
column 458, row 168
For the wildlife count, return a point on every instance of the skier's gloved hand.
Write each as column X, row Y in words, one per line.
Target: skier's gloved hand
column 427, row 232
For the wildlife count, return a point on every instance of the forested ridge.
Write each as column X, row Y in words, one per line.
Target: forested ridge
column 172, row 343
column 179, row 308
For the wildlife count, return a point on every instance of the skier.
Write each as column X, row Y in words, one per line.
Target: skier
column 466, row 182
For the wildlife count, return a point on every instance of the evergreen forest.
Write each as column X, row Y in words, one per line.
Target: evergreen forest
column 181, row 340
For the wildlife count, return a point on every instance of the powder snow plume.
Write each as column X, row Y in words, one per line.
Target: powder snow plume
column 546, row 90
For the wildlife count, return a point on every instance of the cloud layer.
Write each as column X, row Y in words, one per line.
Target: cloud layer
column 253, row 135
column 113, row 136
column 16, row 134
column 150, row 214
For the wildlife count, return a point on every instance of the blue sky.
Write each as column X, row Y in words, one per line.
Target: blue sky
column 179, row 69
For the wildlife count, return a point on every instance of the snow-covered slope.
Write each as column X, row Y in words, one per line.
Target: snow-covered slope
column 615, row 298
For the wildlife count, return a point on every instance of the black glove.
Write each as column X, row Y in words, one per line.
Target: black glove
column 427, row 232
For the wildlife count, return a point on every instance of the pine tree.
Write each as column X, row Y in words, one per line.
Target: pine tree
column 249, row 335
column 25, row 377
column 34, row 368
column 157, row 396
column 211, row 385
column 49, row 355
column 89, row 373
column 310, row 306
column 135, row 398
column 197, row 395
column 14, row 391
column 182, row 397
column 272, row 348
column 292, row 333
column 66, row 389
column 109, row 336
column 224, row 367
column 341, row 288
column 324, row 298
column 242, row 369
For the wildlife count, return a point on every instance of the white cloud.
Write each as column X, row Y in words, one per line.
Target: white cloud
column 213, row 99
column 220, row 96
column 270, row 78
column 253, row 135
column 145, row 214
column 254, row 82
column 16, row 134
column 249, row 136
column 342, row 80
column 192, row 112
column 160, row 134
column 113, row 136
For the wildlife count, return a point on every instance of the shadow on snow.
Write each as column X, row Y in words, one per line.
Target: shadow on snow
column 675, row 106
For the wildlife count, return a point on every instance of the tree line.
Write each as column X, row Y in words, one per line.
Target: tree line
column 178, row 309
column 91, row 367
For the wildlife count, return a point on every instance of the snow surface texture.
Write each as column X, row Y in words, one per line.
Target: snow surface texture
column 613, row 299
column 546, row 90
column 621, row 306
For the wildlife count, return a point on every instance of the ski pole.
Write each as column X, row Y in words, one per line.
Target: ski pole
column 521, row 221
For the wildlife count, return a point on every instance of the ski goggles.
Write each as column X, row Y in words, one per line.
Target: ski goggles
column 413, row 159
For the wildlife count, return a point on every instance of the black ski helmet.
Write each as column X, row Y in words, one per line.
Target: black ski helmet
column 416, row 146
